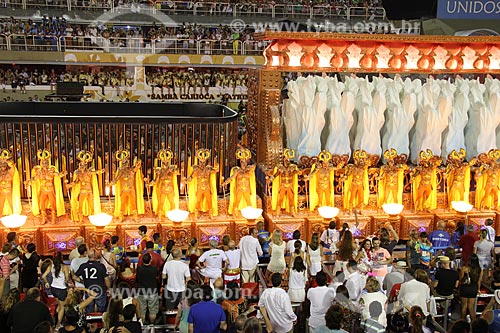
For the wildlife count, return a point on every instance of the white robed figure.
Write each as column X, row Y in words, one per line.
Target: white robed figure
column 401, row 107
column 292, row 117
column 370, row 106
column 340, row 103
column 313, row 116
column 454, row 135
column 432, row 119
column 484, row 118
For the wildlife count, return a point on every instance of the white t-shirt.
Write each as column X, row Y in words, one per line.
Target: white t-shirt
column 413, row 293
column 279, row 309
column 176, row 271
column 234, row 258
column 355, row 284
column 290, row 246
column 250, row 252
column 321, row 298
column 213, row 259
column 491, row 233
column 330, row 236
column 297, row 280
column 483, row 248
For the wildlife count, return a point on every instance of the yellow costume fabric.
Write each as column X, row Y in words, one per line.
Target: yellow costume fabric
column 314, row 200
column 192, row 190
column 16, row 196
column 382, row 186
column 480, row 187
column 86, row 208
column 456, row 197
column 166, row 206
column 35, row 188
column 431, row 202
column 347, row 191
column 276, row 189
column 232, row 191
column 139, row 196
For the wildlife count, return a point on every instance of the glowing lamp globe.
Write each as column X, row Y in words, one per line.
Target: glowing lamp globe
column 328, row 212
column 461, row 206
column 100, row 220
column 13, row 221
column 177, row 215
column 392, row 209
column 251, row 213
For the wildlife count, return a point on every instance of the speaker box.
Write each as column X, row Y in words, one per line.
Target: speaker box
column 69, row 88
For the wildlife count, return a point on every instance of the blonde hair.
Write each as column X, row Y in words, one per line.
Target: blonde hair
column 277, row 237
column 372, row 284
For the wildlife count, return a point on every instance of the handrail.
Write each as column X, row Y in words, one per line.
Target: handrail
column 262, row 280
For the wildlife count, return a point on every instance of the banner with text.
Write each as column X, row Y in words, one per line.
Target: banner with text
column 469, row 9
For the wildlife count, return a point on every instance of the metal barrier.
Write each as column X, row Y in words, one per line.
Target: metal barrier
column 204, row 8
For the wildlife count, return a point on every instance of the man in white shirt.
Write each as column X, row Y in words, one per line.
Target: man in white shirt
column 213, row 260
column 232, row 272
column 321, row 298
column 276, row 308
column 74, row 253
column 330, row 237
column 491, row 231
column 416, row 292
column 177, row 274
column 355, row 282
column 76, row 262
column 290, row 246
column 250, row 252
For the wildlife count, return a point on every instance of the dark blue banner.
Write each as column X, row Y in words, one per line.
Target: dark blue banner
column 469, row 9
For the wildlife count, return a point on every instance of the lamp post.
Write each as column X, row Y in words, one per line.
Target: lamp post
column 393, row 210
column 251, row 214
column 328, row 213
column 100, row 221
column 14, row 221
column 177, row 216
column 463, row 208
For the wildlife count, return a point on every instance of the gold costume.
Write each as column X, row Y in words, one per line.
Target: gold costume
column 488, row 181
column 10, row 185
column 458, row 176
column 202, row 185
column 242, row 183
column 424, row 182
column 129, row 186
column 46, row 187
column 391, row 180
column 285, row 184
column 321, row 177
column 165, row 188
column 85, row 198
column 356, row 187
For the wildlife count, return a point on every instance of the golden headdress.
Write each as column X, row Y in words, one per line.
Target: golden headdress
column 121, row 155
column 390, row 154
column 325, row 156
column 5, row 155
column 84, row 156
column 494, row 154
column 165, row 154
column 203, row 154
column 289, row 153
column 43, row 154
column 425, row 155
column 243, row 154
column 360, row 154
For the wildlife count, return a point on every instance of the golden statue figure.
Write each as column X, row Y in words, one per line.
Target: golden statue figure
column 202, row 185
column 424, row 181
column 85, row 199
column 458, row 176
column 356, row 187
column 321, row 178
column 165, row 187
column 391, row 179
column 10, row 185
column 487, row 181
column 242, row 183
column 129, row 186
column 46, row 188
column 285, row 184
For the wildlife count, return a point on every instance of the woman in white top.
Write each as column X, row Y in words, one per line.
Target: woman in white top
column 485, row 250
column 108, row 259
column 314, row 255
column 59, row 285
column 297, row 281
column 373, row 295
column 277, row 252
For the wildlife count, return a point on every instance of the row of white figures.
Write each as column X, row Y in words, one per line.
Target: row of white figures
column 409, row 116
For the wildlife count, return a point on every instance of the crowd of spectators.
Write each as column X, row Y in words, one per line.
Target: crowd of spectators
column 215, row 289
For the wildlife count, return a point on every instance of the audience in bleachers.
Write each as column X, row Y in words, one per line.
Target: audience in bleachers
column 355, row 301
